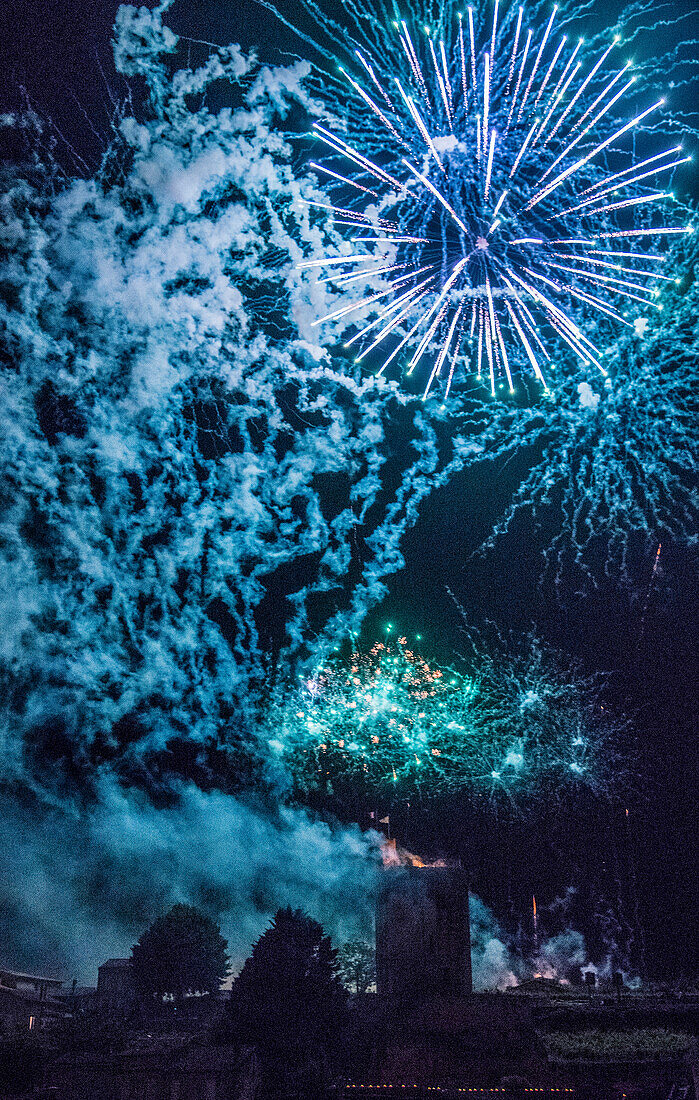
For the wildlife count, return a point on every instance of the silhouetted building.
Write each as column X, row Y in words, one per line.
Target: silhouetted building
column 28, row 1002
column 115, row 990
column 423, row 942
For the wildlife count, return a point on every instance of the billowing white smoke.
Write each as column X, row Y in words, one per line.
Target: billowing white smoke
column 493, row 964
column 190, row 482
column 80, row 887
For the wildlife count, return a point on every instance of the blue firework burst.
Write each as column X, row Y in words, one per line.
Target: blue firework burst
column 501, row 207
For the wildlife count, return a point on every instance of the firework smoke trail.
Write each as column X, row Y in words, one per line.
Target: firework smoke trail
column 390, row 723
column 656, row 563
column 505, row 179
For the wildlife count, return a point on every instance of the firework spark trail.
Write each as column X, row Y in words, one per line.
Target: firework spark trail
column 389, row 722
column 622, row 466
column 656, row 563
column 554, row 133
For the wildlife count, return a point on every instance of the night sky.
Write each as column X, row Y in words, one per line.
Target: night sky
column 635, row 871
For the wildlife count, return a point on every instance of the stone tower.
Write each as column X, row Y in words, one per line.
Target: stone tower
column 423, row 944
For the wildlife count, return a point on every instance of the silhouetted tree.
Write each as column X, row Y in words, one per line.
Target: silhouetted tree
column 290, row 1005
column 356, row 966
column 182, row 952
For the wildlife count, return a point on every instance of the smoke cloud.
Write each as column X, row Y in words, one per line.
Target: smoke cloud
column 81, row 886
column 501, row 961
column 190, row 487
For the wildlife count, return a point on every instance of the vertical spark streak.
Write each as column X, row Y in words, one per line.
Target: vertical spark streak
column 436, row 370
column 434, row 308
column 499, row 203
column 489, row 337
column 447, row 81
column 462, row 50
column 656, row 562
column 514, row 53
column 408, row 100
column 495, row 27
column 478, row 138
column 527, row 317
column 490, row 165
column 531, row 327
column 519, row 79
column 473, row 320
column 440, row 84
column 416, row 59
column 409, row 55
column 550, row 69
column 536, row 63
column 486, row 99
column 473, row 49
column 523, row 148
column 505, row 360
column 527, row 346
column 494, row 331
column 569, row 63
column 422, row 347
column 480, row 339
column 455, row 356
